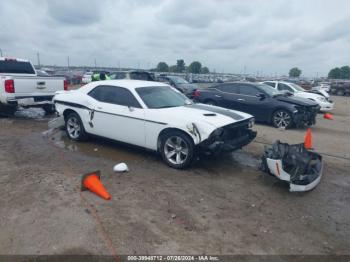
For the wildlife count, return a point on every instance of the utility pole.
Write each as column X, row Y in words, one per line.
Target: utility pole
column 0, row 52
column 38, row 57
column 68, row 61
column 95, row 63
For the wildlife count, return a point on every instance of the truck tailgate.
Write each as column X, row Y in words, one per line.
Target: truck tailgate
column 37, row 85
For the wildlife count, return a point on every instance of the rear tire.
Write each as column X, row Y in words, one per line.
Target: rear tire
column 74, row 127
column 7, row 111
column 177, row 149
column 282, row 119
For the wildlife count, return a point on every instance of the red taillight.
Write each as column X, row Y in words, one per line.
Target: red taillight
column 197, row 93
column 65, row 85
column 9, row 86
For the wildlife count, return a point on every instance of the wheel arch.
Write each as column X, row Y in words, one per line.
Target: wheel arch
column 67, row 111
column 170, row 129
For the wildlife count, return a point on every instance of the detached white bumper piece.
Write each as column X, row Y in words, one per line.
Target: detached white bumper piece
column 300, row 167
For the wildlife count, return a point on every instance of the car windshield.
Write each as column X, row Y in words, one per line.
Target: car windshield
column 269, row 90
column 296, row 87
column 178, row 80
column 162, row 97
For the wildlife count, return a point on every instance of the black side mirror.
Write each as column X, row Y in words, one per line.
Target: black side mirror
column 262, row 96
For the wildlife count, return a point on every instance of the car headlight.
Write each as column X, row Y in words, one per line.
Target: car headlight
column 218, row 132
column 251, row 123
column 321, row 98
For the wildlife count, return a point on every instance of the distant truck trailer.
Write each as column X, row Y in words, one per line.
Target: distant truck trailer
column 340, row 87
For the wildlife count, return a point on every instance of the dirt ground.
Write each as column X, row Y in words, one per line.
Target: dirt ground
column 222, row 205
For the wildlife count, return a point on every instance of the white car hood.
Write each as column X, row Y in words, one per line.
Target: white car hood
column 308, row 95
column 200, row 113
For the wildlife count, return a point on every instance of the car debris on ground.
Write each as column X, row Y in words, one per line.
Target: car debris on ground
column 121, row 168
column 295, row 164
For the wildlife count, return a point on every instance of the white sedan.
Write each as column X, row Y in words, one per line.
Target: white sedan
column 324, row 102
column 154, row 116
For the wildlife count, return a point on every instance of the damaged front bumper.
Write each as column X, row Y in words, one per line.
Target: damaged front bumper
column 305, row 116
column 295, row 164
column 229, row 138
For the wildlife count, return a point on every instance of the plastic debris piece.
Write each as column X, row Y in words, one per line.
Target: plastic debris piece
column 295, row 164
column 120, row 168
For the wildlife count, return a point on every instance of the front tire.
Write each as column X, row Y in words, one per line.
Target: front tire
column 177, row 149
column 282, row 119
column 74, row 127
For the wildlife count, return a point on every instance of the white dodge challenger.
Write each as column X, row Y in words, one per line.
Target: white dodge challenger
column 154, row 116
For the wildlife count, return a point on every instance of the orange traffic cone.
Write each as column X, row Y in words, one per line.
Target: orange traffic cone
column 92, row 182
column 308, row 139
column 328, row 116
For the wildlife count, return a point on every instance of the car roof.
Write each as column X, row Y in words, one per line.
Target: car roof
column 125, row 83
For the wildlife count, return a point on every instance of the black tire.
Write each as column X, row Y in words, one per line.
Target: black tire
column 177, row 149
column 49, row 109
column 7, row 111
column 282, row 119
column 73, row 122
column 210, row 102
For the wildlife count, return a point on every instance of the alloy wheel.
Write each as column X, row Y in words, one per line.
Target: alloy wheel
column 176, row 150
column 282, row 119
column 73, row 127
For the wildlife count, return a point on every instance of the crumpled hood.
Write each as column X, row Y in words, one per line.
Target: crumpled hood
column 307, row 95
column 188, row 88
column 200, row 113
column 296, row 100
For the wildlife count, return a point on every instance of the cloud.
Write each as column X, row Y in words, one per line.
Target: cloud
column 77, row 12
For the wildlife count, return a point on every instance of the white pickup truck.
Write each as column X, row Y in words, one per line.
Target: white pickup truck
column 20, row 86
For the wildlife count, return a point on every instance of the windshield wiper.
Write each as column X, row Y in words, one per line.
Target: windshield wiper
column 165, row 106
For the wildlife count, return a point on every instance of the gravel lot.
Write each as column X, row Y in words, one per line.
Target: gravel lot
column 221, row 205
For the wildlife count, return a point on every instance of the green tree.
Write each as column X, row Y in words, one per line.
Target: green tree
column 205, row 70
column 294, row 72
column 173, row 68
column 339, row 73
column 345, row 72
column 335, row 73
column 162, row 67
column 195, row 67
column 180, row 66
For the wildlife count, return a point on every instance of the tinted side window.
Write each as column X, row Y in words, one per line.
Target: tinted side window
column 270, row 84
column 248, row 90
column 228, row 88
column 119, row 75
column 283, row 87
column 114, row 95
column 141, row 76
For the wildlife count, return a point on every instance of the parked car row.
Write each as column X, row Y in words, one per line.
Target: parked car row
column 262, row 101
column 322, row 98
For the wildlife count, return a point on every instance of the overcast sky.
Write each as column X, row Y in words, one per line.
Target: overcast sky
column 269, row 36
